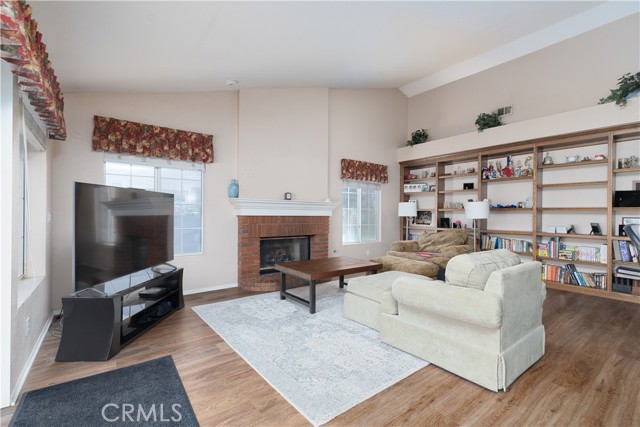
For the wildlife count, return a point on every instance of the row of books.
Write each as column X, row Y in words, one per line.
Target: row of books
column 624, row 251
column 514, row 245
column 568, row 274
column 556, row 249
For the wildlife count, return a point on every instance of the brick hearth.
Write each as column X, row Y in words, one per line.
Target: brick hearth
column 252, row 228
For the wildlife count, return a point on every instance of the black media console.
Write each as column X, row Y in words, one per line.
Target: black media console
column 100, row 320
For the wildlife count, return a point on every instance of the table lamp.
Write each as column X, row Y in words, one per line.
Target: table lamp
column 407, row 210
column 476, row 211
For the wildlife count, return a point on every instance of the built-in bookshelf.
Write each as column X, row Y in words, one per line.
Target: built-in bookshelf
column 544, row 194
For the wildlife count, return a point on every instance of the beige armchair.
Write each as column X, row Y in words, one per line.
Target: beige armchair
column 483, row 323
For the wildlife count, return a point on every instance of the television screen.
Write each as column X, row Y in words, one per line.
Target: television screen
column 119, row 231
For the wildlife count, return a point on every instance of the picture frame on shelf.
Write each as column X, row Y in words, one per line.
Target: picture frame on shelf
column 595, row 229
column 561, row 229
column 445, row 223
column 424, row 218
column 550, row 229
column 467, row 186
column 432, row 188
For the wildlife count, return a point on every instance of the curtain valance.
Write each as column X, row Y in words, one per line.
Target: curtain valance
column 364, row 171
column 21, row 46
column 123, row 136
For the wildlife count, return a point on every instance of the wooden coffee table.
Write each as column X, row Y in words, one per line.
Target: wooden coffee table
column 317, row 269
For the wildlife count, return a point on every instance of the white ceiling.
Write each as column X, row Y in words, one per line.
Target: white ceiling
column 176, row 46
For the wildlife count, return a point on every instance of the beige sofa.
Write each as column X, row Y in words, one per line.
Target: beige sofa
column 484, row 323
column 405, row 255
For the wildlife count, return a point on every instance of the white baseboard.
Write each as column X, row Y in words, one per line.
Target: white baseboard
column 209, row 289
column 32, row 358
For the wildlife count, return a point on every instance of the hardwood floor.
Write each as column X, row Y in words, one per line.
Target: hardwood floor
column 589, row 375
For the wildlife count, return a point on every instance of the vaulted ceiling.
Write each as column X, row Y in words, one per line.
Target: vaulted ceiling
column 171, row 46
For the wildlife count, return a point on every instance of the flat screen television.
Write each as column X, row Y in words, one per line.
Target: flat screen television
column 119, row 231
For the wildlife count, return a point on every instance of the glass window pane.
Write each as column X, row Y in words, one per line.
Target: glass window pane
column 141, row 170
column 170, row 173
column 143, row 182
column 360, row 213
column 192, row 174
column 191, row 241
column 118, row 180
column 118, row 168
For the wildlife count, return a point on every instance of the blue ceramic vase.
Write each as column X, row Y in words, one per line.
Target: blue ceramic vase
column 234, row 189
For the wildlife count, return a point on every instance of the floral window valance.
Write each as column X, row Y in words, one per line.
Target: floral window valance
column 21, row 46
column 364, row 171
column 123, row 136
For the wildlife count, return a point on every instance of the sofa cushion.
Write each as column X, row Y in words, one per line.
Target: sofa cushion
column 473, row 270
column 429, row 241
column 377, row 287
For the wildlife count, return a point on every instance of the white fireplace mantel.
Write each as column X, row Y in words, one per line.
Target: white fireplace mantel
column 263, row 207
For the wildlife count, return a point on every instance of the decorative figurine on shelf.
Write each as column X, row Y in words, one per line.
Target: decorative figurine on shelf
column 517, row 171
column 528, row 171
column 498, row 169
column 547, row 160
column 507, row 171
column 457, row 224
column 571, row 230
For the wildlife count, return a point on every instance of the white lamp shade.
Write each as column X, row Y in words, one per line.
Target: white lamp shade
column 477, row 210
column 407, row 209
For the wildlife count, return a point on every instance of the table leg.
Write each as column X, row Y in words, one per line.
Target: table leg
column 341, row 282
column 312, row 296
column 283, row 285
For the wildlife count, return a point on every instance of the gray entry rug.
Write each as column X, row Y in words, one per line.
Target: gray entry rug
column 322, row 363
column 147, row 394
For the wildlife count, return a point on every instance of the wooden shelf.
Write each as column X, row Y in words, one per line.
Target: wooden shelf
column 574, row 288
column 513, row 178
column 629, row 263
column 574, row 184
column 583, row 208
column 408, row 193
column 572, row 261
column 422, row 227
column 573, row 236
column 420, row 180
column 459, row 175
column 510, row 209
column 457, row 191
column 626, row 170
column 450, row 210
column 621, row 238
column 626, row 208
column 513, row 232
column 573, row 164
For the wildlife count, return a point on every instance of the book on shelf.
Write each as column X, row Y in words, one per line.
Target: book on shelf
column 561, row 251
column 616, row 251
column 514, row 245
column 625, row 252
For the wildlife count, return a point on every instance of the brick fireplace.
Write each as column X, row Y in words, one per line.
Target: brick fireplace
column 258, row 219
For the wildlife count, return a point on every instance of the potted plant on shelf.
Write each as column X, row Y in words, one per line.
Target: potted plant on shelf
column 418, row 137
column 628, row 87
column 487, row 120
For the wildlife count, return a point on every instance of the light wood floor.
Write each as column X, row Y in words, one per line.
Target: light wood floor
column 589, row 376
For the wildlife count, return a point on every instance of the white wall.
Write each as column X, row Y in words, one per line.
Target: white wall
column 283, row 143
column 567, row 76
column 73, row 160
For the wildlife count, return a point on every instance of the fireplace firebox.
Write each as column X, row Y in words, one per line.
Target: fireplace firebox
column 274, row 250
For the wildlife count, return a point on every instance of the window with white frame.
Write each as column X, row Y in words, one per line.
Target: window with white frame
column 360, row 212
column 182, row 179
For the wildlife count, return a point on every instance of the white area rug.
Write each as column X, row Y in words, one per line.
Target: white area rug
column 322, row 363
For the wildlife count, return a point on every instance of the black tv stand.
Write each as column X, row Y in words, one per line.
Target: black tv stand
column 100, row 320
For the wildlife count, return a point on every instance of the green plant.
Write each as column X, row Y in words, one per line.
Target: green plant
column 487, row 120
column 626, row 84
column 418, row 137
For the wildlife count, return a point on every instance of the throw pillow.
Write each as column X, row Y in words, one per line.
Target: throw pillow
column 428, row 241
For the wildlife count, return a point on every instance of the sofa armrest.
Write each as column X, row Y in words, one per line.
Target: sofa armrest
column 404, row 246
column 465, row 304
column 521, row 289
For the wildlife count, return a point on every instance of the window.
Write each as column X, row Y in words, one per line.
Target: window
column 184, row 181
column 360, row 212
column 22, row 206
